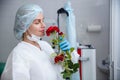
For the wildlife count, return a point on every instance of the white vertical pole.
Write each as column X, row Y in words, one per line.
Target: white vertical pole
column 111, row 67
column 115, row 38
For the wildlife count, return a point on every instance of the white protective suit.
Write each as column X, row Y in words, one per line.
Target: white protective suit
column 27, row 62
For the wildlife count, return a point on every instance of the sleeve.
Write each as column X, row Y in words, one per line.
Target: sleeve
column 20, row 67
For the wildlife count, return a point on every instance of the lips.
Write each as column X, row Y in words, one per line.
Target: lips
column 42, row 31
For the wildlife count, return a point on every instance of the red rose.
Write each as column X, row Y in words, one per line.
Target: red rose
column 52, row 29
column 48, row 31
column 59, row 58
column 55, row 28
column 61, row 33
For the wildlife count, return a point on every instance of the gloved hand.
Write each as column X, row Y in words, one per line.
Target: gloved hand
column 64, row 45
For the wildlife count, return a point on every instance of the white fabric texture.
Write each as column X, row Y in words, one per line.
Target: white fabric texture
column 27, row 62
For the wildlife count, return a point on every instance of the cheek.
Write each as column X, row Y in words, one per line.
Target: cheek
column 34, row 28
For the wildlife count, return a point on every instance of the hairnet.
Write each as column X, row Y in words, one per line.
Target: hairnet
column 24, row 17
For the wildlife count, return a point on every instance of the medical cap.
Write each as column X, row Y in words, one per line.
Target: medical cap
column 24, row 17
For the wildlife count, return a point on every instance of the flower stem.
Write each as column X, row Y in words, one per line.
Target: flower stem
column 68, row 54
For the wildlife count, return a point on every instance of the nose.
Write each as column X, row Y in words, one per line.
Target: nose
column 43, row 25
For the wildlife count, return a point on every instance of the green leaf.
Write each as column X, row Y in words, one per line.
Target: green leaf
column 70, row 64
column 72, row 49
column 66, row 74
column 75, row 67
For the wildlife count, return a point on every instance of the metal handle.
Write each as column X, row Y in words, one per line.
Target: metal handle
column 83, row 58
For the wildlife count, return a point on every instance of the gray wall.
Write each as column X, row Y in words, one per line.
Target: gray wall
column 87, row 12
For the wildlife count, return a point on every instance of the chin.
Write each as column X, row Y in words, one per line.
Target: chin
column 42, row 35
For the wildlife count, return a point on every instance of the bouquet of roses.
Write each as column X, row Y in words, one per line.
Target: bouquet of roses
column 62, row 57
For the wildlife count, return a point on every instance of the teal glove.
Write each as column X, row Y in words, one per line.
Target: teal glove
column 64, row 45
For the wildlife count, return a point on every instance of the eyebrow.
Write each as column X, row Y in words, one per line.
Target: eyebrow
column 38, row 19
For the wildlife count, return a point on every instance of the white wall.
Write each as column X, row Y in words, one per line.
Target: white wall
column 87, row 12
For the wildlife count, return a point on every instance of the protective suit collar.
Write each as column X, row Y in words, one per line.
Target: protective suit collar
column 34, row 38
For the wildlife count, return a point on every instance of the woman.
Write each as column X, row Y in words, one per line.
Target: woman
column 30, row 59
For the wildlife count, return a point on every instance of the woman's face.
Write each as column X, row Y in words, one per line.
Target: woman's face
column 37, row 27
